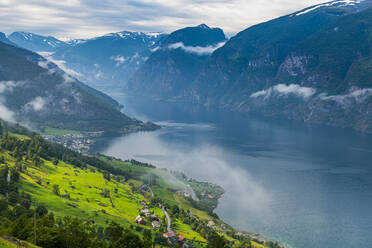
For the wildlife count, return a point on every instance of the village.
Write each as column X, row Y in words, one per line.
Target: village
column 147, row 217
column 164, row 225
column 81, row 142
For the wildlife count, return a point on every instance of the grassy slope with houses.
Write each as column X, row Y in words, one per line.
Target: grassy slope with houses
column 100, row 197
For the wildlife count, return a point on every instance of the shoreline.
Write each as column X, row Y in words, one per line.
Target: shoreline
column 256, row 237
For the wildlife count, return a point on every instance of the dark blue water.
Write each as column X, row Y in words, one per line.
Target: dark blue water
column 306, row 186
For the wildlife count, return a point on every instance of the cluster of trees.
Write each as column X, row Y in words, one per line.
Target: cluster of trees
column 8, row 179
column 138, row 163
column 18, row 219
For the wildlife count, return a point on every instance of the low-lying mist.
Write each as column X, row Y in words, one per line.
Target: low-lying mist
column 202, row 161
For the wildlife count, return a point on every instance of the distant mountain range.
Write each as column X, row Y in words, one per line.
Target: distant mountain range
column 313, row 65
column 35, row 91
column 105, row 62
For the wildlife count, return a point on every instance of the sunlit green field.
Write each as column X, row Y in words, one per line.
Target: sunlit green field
column 85, row 189
column 58, row 132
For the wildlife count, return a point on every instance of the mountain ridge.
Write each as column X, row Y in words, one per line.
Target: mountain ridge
column 37, row 92
column 174, row 65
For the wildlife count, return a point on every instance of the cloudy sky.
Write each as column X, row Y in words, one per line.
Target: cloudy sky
column 89, row 18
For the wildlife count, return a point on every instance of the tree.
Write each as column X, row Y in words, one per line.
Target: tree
column 41, row 211
column 48, row 234
column 160, row 239
column 21, row 228
column 107, row 176
column 3, row 205
column 128, row 240
column 217, row 242
column 76, row 233
column 55, row 161
column 147, row 238
column 13, row 197
column 56, row 189
column 115, row 231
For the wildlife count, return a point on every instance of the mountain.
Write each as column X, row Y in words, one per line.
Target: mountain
column 35, row 42
column 5, row 39
column 250, row 61
column 176, row 62
column 36, row 91
column 108, row 61
column 311, row 66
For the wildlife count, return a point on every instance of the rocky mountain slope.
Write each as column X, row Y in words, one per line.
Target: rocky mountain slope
column 36, row 43
column 107, row 62
column 312, row 65
column 177, row 61
column 104, row 62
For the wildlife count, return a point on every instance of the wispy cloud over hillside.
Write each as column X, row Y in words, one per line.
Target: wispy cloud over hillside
column 196, row 49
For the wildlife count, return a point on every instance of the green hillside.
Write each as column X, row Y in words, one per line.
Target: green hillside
column 40, row 94
column 57, row 185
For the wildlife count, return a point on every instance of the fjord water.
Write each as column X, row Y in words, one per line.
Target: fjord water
column 305, row 186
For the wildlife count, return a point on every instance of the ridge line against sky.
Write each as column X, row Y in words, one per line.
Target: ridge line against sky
column 92, row 18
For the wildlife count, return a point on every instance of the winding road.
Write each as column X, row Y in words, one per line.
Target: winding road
column 169, row 222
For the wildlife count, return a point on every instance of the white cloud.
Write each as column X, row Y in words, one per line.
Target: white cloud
column 5, row 113
column 119, row 60
column 36, row 104
column 67, row 74
column 355, row 94
column 7, row 86
column 196, row 49
column 62, row 64
column 90, row 18
column 155, row 49
column 283, row 89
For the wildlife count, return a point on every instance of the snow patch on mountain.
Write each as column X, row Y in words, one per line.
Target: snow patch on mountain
column 341, row 3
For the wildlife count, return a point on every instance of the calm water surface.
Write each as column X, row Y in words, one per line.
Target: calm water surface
column 305, row 186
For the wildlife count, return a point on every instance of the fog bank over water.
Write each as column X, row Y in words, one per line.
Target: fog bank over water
column 206, row 162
